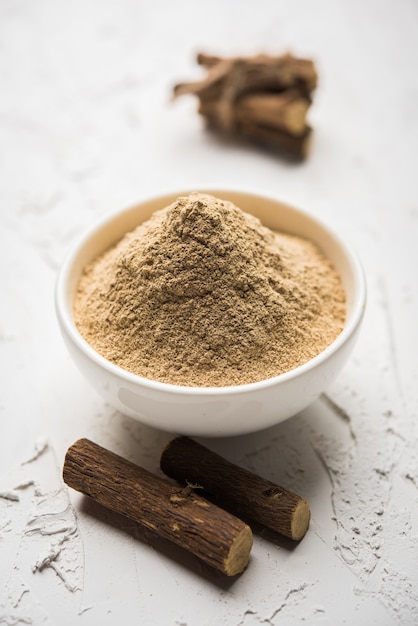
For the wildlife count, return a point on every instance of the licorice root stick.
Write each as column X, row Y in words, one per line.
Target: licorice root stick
column 237, row 489
column 215, row 536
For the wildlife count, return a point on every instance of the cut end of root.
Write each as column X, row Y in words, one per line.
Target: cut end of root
column 300, row 520
column 239, row 554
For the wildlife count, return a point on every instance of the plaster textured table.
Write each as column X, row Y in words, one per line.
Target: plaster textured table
column 87, row 127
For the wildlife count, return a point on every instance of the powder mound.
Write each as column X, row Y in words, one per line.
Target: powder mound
column 202, row 294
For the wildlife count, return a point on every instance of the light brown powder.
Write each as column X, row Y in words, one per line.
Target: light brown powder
column 203, row 294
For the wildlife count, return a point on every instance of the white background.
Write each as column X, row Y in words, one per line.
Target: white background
column 87, row 127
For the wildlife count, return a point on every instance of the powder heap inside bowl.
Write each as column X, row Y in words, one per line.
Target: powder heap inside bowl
column 202, row 294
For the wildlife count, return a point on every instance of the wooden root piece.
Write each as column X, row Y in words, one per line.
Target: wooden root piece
column 215, row 536
column 264, row 98
column 285, row 110
column 237, row 489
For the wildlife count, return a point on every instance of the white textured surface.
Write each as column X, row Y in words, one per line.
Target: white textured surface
column 86, row 126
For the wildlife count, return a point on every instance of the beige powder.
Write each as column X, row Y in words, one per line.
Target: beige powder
column 203, row 294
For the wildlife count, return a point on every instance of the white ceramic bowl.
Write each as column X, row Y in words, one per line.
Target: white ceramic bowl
column 214, row 411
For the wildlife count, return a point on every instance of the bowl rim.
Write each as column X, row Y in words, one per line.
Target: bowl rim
column 68, row 325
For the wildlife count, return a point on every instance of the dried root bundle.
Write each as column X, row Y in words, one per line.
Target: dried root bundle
column 263, row 98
